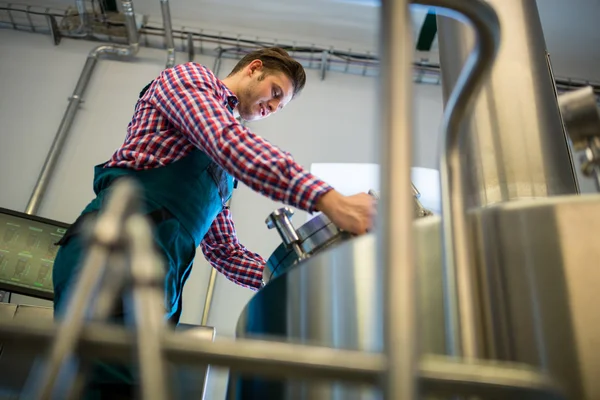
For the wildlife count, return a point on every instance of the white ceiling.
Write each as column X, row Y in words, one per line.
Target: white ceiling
column 570, row 26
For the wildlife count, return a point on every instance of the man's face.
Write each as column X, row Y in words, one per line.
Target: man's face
column 263, row 94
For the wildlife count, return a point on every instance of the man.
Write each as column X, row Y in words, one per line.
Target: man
column 185, row 146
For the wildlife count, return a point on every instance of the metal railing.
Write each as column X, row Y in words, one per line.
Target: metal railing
column 82, row 336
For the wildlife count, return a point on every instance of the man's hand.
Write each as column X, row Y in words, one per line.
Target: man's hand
column 354, row 214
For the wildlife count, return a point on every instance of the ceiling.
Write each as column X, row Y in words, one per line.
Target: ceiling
column 570, row 27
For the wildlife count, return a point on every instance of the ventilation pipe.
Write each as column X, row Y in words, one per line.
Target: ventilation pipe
column 76, row 98
column 170, row 42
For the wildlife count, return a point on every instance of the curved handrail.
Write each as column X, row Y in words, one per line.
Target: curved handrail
column 459, row 290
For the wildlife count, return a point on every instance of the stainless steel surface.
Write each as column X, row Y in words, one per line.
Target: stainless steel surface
column 332, row 299
column 441, row 375
column 316, row 234
column 514, row 144
column 581, row 115
column 538, row 264
column 170, row 42
column 74, row 101
column 464, row 331
column 590, row 161
column 490, row 380
column 555, row 91
column 395, row 269
column 148, row 305
column 110, row 342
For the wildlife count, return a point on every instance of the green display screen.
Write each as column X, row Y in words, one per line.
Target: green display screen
column 27, row 252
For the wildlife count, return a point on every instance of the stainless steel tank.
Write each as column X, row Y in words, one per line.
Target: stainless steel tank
column 332, row 299
column 538, row 265
column 539, row 269
column 522, row 292
column 515, row 146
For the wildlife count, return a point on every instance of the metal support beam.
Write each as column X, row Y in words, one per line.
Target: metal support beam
column 463, row 319
column 439, row 375
column 395, row 258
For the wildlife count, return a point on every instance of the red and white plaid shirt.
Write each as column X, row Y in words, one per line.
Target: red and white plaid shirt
column 185, row 108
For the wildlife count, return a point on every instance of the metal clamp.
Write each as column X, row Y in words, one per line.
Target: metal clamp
column 581, row 117
column 420, row 211
column 280, row 219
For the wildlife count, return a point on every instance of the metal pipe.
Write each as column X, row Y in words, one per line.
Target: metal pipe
column 209, row 296
column 148, row 308
column 217, row 65
column 170, row 42
column 324, row 60
column 81, row 303
column 212, row 280
column 107, row 299
column 460, row 289
column 395, row 257
column 74, row 101
column 277, row 359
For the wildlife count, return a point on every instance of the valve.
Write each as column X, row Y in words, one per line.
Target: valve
column 280, row 219
column 581, row 117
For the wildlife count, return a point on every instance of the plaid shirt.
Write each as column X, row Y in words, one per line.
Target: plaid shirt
column 188, row 107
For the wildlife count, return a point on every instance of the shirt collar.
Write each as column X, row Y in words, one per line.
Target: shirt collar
column 231, row 100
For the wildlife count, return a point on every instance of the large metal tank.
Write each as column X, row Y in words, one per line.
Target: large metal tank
column 538, row 266
column 514, row 144
column 333, row 299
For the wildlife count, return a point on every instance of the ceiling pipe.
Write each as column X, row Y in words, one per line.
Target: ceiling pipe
column 166, row 15
column 121, row 51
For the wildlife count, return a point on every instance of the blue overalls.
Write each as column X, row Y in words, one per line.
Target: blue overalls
column 187, row 195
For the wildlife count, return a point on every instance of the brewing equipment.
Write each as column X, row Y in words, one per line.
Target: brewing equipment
column 508, row 274
column 318, row 234
column 494, row 299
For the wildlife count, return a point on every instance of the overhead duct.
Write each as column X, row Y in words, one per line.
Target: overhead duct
column 120, row 51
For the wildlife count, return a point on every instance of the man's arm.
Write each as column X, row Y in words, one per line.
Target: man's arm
column 225, row 253
column 187, row 96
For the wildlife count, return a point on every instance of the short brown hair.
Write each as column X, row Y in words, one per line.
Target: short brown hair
column 276, row 59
